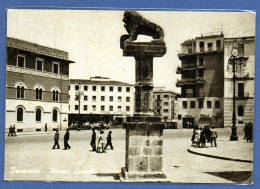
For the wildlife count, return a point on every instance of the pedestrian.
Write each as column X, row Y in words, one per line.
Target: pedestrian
column 202, row 137
column 250, row 132
column 93, row 140
column 197, row 137
column 101, row 142
column 14, row 131
column 213, row 137
column 66, row 139
column 109, row 141
column 56, row 139
column 46, row 127
column 207, row 133
column 10, row 131
column 193, row 137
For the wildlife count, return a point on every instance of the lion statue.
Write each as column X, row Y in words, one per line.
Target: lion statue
column 135, row 24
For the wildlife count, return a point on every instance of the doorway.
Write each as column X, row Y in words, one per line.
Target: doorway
column 188, row 123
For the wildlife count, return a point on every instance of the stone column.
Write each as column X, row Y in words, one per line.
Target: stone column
column 144, row 132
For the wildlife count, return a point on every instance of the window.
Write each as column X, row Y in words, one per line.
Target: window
column 102, row 98
column 201, row 46
column 165, row 110
column 76, row 107
column 201, row 61
column 218, row 44
column 21, row 61
column 77, row 97
column 158, row 97
column 201, row 104
column 20, row 114
column 110, row 108
column 119, row 108
column 128, row 89
column 85, row 107
column 179, row 116
column 119, row 89
column 208, row 104
column 38, row 114
column 240, row 111
column 111, row 99
column 93, row 107
column 111, row 89
column 102, row 88
column 127, row 108
column 55, row 95
column 85, row 98
column 119, row 99
column 39, row 64
column 192, row 104
column 127, row 99
column 184, row 104
column 56, row 67
column 165, row 103
column 38, row 94
column 102, row 108
column 69, row 87
column 201, row 73
column 54, row 115
column 94, row 98
column 85, row 87
column 241, row 50
column 94, row 88
column 241, row 90
column 20, row 92
column 209, row 46
column 165, row 96
column 76, row 87
column 217, row 104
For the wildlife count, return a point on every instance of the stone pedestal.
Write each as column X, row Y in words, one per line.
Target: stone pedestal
column 144, row 132
column 144, row 149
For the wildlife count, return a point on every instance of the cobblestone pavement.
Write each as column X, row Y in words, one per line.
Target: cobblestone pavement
column 30, row 157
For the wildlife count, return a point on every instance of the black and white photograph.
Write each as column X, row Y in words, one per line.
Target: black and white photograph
column 130, row 96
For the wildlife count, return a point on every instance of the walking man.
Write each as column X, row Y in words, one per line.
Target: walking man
column 93, row 140
column 66, row 139
column 10, row 131
column 109, row 141
column 213, row 136
column 14, row 131
column 56, row 139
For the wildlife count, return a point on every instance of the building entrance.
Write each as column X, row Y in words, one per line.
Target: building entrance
column 188, row 122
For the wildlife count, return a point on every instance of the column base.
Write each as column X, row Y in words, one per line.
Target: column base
column 233, row 138
column 142, row 177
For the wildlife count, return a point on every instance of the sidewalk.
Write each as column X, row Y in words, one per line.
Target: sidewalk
column 229, row 150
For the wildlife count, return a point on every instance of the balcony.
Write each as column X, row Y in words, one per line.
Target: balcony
column 187, row 81
column 201, row 66
column 188, row 95
column 185, row 67
column 242, row 95
column 178, row 70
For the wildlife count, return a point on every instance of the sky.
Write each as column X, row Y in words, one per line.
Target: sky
column 92, row 38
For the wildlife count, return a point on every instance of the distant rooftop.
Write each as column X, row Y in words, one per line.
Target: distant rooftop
column 35, row 48
column 99, row 81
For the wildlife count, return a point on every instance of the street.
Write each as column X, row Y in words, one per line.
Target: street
column 30, row 157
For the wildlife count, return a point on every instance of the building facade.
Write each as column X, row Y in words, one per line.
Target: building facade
column 244, row 83
column 202, row 81
column 165, row 105
column 99, row 99
column 37, row 80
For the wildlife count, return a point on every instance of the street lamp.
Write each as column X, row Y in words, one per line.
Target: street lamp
column 233, row 61
column 78, row 96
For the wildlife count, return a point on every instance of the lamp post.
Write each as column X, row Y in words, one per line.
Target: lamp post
column 78, row 95
column 233, row 62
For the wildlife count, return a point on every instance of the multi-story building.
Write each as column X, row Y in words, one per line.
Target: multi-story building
column 207, row 83
column 244, row 82
column 202, row 81
column 37, row 80
column 165, row 103
column 100, row 99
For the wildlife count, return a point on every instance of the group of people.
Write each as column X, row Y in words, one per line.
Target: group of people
column 12, row 131
column 103, row 141
column 248, row 129
column 66, row 140
column 201, row 136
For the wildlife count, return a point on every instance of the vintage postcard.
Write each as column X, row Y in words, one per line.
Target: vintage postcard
column 129, row 96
